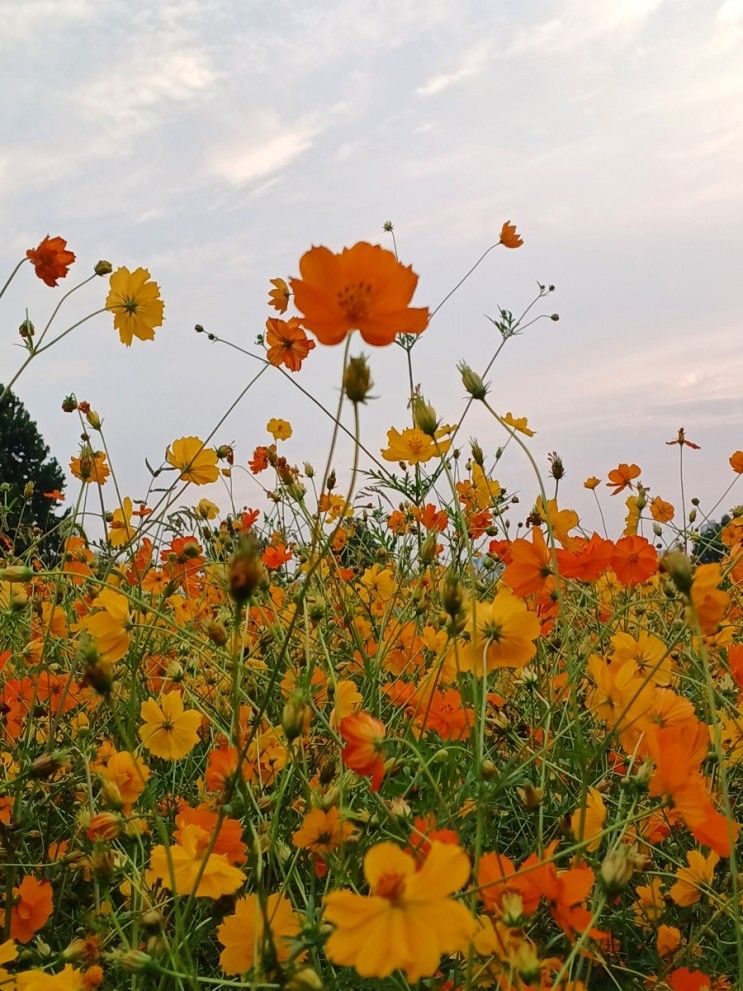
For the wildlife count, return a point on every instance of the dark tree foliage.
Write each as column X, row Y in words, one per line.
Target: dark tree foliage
column 26, row 473
column 708, row 547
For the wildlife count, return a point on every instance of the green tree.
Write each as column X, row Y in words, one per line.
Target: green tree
column 26, row 472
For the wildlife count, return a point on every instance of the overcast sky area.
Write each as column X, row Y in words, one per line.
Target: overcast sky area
column 214, row 141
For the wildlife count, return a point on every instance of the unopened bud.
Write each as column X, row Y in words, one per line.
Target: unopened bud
column 306, row 979
column 292, row 720
column 16, row 573
column 617, row 869
column 477, row 455
column 424, row 417
column 677, row 566
column 357, row 379
column 488, row 769
column 245, row 571
column 136, row 961
column 331, row 480
column 26, row 330
column 103, row 267
column 472, row 382
column 429, row 549
column 28, row 490
column 93, row 419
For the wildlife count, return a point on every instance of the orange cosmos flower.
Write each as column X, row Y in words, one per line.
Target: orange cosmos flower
column 684, row 979
column 363, row 288
column 682, row 441
column 321, row 832
column 661, row 511
column 736, row 462
column 32, row 906
column 509, row 237
column 634, row 560
column 364, row 736
column 275, row 556
column 591, row 482
column 178, row 867
column 621, row 477
column 51, row 260
column 169, row 730
column 408, row 921
column 528, row 565
column 256, row 932
column 287, row 343
column 229, row 837
column 278, row 297
column 77, row 557
column 90, row 467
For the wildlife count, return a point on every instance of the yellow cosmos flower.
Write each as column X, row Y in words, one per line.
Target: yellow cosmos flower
column 279, row 429
column 244, row 937
column 179, row 866
column 120, row 529
column 588, row 821
column 110, row 626
column 519, row 423
column 206, row 509
column 169, row 730
column 502, row 635
column 135, row 303
column 196, row 463
column 690, row 880
column 8, row 953
column 408, row 921
column 413, row 446
column 68, row 979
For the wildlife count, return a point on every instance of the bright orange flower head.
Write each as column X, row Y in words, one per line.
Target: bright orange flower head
column 634, row 560
column 363, row 288
column 509, row 237
column 287, row 343
column 621, row 477
column 278, row 297
column 736, row 462
column 32, row 906
column 363, row 753
column 51, row 260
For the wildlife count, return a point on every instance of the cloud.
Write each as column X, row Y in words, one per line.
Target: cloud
column 472, row 63
column 132, row 98
column 262, row 157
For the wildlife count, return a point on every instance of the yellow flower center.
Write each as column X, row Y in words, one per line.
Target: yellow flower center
column 353, row 299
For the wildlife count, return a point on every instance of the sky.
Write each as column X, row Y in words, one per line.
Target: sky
column 214, row 142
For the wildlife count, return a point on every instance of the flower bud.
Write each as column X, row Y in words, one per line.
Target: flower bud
column 477, row 454
column 424, row 417
column 617, row 869
column 245, row 571
column 103, row 267
column 331, row 480
column 677, row 566
column 472, row 382
column 136, row 961
column 357, row 379
column 26, row 330
column 309, row 471
column 28, row 490
column 488, row 770
column 16, row 573
column 93, row 419
column 293, row 718
column 306, row 979
column 428, row 549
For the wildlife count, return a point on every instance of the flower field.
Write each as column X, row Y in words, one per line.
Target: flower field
column 394, row 728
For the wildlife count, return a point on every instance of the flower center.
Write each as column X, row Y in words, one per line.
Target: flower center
column 391, row 887
column 492, row 631
column 353, row 299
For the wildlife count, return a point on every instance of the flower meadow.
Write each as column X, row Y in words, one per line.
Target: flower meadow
column 405, row 731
